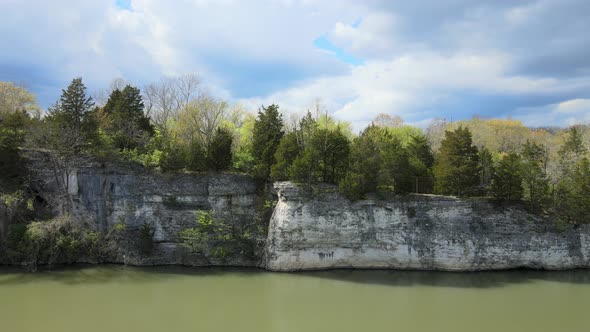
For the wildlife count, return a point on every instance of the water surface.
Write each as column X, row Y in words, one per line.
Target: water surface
column 117, row 298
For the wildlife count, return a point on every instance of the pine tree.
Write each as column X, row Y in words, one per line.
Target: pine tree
column 420, row 155
column 72, row 121
column 324, row 159
column 535, row 179
column 486, row 171
column 572, row 202
column 266, row 137
column 507, row 179
column 219, row 150
column 365, row 164
column 127, row 123
column 572, row 151
column 287, row 152
column 456, row 167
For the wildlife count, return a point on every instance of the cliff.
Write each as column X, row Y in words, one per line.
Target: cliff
column 415, row 232
column 319, row 230
column 108, row 194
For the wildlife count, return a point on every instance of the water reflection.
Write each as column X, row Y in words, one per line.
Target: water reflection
column 74, row 275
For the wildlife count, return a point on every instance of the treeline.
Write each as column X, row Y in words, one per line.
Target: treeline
column 174, row 126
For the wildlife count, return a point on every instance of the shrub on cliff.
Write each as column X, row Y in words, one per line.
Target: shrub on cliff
column 212, row 237
column 62, row 240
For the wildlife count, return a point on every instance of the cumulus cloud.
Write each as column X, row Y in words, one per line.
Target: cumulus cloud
column 565, row 113
column 420, row 59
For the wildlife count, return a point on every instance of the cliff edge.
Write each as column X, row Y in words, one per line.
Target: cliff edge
column 415, row 232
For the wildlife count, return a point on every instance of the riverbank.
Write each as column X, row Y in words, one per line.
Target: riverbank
column 141, row 216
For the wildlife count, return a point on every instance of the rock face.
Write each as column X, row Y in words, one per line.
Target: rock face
column 107, row 194
column 416, row 232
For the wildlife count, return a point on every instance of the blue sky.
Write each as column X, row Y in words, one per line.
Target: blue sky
column 523, row 59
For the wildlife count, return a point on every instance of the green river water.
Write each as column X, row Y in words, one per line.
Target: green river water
column 117, row 298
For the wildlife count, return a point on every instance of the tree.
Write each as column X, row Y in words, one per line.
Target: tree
column 126, row 122
column 324, row 159
column 365, row 164
column 72, row 121
column 572, row 151
column 12, row 131
column 16, row 99
column 535, row 179
column 266, row 137
column 507, row 179
column 456, row 166
column 378, row 162
column 166, row 98
column 573, row 194
column 287, row 152
column 388, row 121
column 486, row 170
column 219, row 150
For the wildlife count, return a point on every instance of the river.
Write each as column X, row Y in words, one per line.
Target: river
column 118, row 298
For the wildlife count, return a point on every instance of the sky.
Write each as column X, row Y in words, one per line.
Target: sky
column 421, row 59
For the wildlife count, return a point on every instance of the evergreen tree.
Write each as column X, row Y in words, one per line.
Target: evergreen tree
column 573, row 195
column 421, row 161
column 507, row 179
column 287, row 152
column 395, row 171
column 324, row 159
column 219, row 150
column 127, row 124
column 72, row 122
column 572, row 151
column 535, row 179
column 456, row 168
column 12, row 133
column 378, row 162
column 420, row 154
column 486, row 171
column 365, row 164
column 266, row 137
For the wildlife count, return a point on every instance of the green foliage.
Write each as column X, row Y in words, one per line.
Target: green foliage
column 324, row 159
column 507, row 179
column 535, row 179
column 12, row 133
column 266, row 137
column 288, row 151
column 59, row 240
column 212, row 237
column 72, row 122
column 219, row 156
column 573, row 194
column 486, row 171
column 456, row 167
column 124, row 119
column 420, row 155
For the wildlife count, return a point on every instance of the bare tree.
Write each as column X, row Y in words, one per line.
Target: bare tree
column 15, row 98
column 166, row 98
column 102, row 96
column 387, row 120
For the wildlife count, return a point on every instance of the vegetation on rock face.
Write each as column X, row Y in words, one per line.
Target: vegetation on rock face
column 214, row 238
column 60, row 240
column 174, row 126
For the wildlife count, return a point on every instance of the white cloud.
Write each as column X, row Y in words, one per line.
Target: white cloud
column 409, row 85
column 566, row 113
